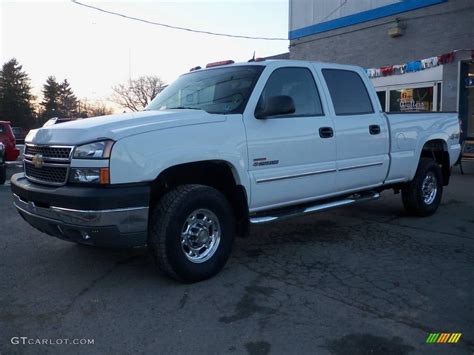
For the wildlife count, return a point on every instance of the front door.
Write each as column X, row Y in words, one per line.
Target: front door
column 292, row 157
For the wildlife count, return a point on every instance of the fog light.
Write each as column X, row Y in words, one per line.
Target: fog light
column 85, row 235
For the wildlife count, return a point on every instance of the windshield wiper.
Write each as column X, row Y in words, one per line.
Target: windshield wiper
column 183, row 108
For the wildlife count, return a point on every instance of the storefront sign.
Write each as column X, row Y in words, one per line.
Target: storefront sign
column 411, row 105
column 412, row 100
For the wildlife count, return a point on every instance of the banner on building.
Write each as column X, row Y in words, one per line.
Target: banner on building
column 415, row 65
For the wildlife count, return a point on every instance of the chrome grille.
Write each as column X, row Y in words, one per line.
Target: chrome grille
column 47, row 164
column 53, row 152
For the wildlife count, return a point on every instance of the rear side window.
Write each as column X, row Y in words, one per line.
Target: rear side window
column 2, row 130
column 348, row 92
column 298, row 83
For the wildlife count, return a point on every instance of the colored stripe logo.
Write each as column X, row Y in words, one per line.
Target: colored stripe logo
column 442, row 338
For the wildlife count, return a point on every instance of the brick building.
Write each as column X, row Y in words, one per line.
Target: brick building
column 384, row 33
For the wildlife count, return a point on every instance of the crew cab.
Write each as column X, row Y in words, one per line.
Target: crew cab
column 228, row 146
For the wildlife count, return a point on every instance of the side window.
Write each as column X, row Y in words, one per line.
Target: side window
column 2, row 130
column 298, row 83
column 348, row 92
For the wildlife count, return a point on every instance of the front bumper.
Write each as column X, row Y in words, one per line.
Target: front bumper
column 101, row 216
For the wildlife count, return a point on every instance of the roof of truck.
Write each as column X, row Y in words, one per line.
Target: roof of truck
column 283, row 62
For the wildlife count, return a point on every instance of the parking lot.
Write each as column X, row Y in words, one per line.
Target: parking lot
column 363, row 279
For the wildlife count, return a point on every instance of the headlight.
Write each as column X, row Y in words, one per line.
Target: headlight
column 96, row 150
column 89, row 175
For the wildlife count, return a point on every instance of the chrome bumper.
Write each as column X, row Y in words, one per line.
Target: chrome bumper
column 127, row 220
column 115, row 216
column 123, row 227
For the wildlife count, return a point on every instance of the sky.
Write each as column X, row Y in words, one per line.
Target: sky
column 95, row 51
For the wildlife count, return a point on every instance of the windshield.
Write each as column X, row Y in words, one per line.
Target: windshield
column 221, row 91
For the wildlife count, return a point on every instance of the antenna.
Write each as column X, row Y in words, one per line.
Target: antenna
column 253, row 58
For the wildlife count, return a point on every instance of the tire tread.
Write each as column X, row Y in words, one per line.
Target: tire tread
column 410, row 193
column 161, row 216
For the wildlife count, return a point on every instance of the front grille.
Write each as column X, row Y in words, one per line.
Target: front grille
column 55, row 175
column 49, row 152
column 47, row 164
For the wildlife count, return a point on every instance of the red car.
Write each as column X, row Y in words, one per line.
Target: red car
column 8, row 140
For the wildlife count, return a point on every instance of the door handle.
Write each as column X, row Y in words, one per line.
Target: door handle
column 374, row 129
column 326, row 132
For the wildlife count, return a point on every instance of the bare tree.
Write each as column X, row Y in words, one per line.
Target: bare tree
column 92, row 110
column 137, row 94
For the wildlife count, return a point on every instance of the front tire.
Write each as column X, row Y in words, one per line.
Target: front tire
column 422, row 196
column 191, row 232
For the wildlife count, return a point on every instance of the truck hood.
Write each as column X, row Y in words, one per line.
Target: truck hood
column 118, row 126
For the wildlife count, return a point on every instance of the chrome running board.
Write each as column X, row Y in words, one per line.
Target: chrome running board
column 277, row 215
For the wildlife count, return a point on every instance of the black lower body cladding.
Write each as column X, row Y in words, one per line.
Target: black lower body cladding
column 82, row 197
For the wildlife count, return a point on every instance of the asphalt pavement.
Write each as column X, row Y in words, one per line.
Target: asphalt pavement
column 365, row 279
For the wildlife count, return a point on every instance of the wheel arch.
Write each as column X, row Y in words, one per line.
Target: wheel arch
column 218, row 174
column 436, row 148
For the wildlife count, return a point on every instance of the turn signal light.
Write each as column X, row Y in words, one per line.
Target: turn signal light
column 104, row 176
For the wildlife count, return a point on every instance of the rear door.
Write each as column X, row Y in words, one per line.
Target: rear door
column 362, row 136
column 292, row 158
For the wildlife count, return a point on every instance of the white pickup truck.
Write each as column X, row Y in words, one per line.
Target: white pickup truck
column 228, row 146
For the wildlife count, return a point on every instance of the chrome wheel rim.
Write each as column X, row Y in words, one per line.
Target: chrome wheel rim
column 429, row 188
column 200, row 235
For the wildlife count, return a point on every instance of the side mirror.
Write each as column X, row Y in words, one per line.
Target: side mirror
column 275, row 105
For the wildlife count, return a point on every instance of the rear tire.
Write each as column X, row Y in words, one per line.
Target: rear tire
column 422, row 196
column 191, row 232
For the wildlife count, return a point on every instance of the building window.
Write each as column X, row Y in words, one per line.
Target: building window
column 382, row 95
column 438, row 99
column 412, row 100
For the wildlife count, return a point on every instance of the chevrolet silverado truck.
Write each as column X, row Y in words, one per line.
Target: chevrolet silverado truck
column 225, row 147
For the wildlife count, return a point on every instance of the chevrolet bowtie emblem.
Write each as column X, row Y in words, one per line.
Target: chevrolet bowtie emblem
column 37, row 161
